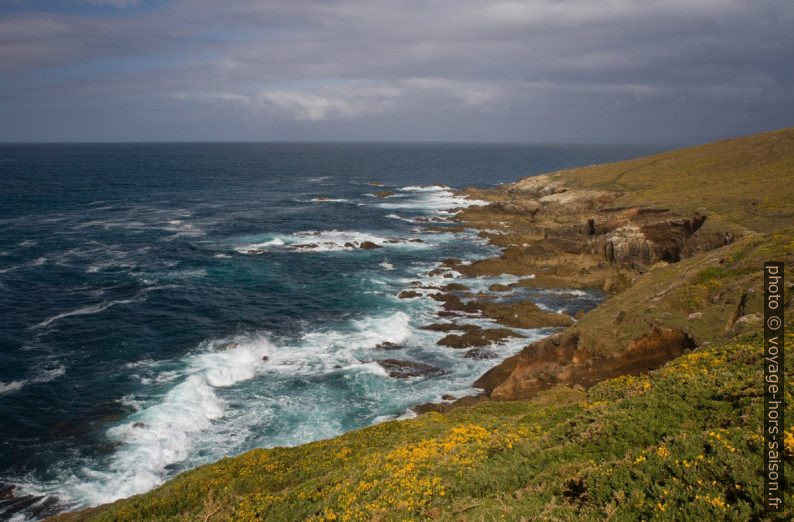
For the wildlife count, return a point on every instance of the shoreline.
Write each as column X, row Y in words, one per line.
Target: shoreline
column 556, row 236
column 619, row 388
column 562, row 230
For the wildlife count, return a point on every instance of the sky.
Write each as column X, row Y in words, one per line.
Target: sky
column 586, row 71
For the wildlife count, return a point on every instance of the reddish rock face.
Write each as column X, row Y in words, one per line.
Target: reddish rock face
column 561, row 359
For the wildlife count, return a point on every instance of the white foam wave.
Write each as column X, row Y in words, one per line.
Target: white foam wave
column 395, row 216
column 43, row 376
column 424, row 188
column 100, row 307
column 93, row 309
column 182, row 229
column 431, row 199
column 8, row 387
column 168, row 431
column 327, row 241
column 329, row 200
column 171, row 429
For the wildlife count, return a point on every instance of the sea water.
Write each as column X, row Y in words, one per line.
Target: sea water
column 166, row 305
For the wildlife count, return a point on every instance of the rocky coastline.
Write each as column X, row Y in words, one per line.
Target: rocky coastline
column 558, row 231
column 647, row 405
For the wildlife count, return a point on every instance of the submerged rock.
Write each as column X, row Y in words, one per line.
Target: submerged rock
column 480, row 354
column 383, row 194
column 403, row 369
column 388, row 346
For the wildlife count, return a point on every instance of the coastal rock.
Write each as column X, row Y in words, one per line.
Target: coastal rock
column 749, row 319
column 449, row 327
column 562, row 359
column 383, row 194
column 499, row 287
column 408, row 294
column 480, row 354
column 368, row 245
column 453, row 303
column 522, row 314
column 403, row 369
column 526, row 206
column 440, row 407
column 388, row 346
column 455, row 287
column 477, row 337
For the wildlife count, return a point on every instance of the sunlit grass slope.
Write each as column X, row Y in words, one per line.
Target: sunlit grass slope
column 747, row 180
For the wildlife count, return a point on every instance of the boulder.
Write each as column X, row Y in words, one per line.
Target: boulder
column 521, row 314
column 478, row 337
column 480, row 354
column 388, row 346
column 403, row 369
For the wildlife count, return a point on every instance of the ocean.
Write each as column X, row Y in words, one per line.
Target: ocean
column 165, row 305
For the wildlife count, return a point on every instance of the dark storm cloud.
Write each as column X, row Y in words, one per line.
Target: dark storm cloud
column 551, row 70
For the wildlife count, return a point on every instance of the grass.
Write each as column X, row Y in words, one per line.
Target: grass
column 683, row 443
column 745, row 181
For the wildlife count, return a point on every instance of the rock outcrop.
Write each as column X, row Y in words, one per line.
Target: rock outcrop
column 402, row 369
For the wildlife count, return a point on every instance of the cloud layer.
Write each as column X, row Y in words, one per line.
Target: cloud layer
column 536, row 70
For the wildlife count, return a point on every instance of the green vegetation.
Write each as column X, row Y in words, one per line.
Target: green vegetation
column 744, row 181
column 683, row 443
column 712, row 296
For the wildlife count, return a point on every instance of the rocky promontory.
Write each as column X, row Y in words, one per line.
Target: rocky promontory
column 680, row 267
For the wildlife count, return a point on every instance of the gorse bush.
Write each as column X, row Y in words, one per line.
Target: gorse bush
column 681, row 443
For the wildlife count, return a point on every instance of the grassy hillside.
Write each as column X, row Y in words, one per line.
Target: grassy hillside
column 746, row 181
column 683, row 443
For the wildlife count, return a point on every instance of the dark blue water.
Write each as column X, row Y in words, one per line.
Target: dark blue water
column 141, row 286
